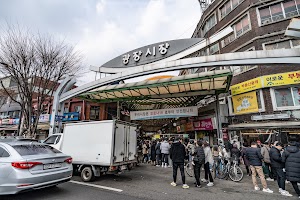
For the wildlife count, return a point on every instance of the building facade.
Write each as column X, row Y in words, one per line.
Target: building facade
column 74, row 110
column 264, row 102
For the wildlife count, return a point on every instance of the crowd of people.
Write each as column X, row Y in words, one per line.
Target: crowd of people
column 268, row 161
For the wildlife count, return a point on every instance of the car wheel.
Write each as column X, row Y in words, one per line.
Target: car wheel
column 87, row 174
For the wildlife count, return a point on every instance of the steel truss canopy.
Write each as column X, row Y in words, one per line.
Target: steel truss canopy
column 164, row 93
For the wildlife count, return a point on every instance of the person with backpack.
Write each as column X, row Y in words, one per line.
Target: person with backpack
column 246, row 161
column 177, row 154
column 265, row 152
column 235, row 153
column 198, row 161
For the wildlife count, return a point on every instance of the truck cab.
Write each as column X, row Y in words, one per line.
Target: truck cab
column 54, row 140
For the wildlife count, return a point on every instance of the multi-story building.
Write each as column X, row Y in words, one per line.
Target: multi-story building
column 264, row 99
column 74, row 110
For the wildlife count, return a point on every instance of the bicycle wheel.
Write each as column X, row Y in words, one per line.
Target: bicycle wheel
column 221, row 171
column 189, row 169
column 236, row 173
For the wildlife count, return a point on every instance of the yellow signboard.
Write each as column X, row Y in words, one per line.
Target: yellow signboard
column 245, row 103
column 246, row 86
column 287, row 78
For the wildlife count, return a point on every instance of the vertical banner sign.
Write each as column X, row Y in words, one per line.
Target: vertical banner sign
column 245, row 103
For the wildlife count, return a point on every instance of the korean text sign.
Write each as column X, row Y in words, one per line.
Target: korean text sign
column 246, row 86
column 164, row 113
column 245, row 103
column 287, row 78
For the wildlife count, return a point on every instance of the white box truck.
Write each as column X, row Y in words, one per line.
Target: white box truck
column 98, row 147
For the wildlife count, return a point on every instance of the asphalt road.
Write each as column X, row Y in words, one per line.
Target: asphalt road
column 149, row 182
column 69, row 191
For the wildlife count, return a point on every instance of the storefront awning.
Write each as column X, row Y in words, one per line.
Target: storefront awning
column 9, row 128
column 180, row 91
column 43, row 127
column 261, row 133
column 281, row 124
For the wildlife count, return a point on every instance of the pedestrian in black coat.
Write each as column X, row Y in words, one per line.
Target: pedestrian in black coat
column 291, row 157
column 278, row 165
column 198, row 161
column 177, row 154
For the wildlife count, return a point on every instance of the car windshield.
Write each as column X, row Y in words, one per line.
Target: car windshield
column 34, row 149
column 51, row 139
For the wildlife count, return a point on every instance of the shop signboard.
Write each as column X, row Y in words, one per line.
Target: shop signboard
column 7, row 121
column 150, row 53
column 164, row 113
column 288, row 78
column 246, row 86
column 71, row 116
column 272, row 80
column 181, row 128
column 204, row 124
column 15, row 121
column 272, row 116
column 245, row 103
column 189, row 126
column 44, row 118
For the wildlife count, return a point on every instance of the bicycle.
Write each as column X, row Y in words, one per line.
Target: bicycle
column 231, row 170
column 189, row 168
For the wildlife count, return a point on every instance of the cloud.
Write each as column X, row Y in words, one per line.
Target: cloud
column 103, row 29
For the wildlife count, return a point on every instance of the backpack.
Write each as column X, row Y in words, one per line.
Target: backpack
column 199, row 155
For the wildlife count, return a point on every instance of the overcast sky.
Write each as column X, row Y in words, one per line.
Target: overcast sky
column 104, row 29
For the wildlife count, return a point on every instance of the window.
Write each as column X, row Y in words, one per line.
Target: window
column 204, row 52
column 111, row 113
column 3, row 153
column 282, row 44
column 77, row 109
column 228, row 7
column 211, row 21
column 35, row 149
column 54, row 139
column 214, row 48
column 279, row 11
column 66, row 109
column 240, row 28
column 260, row 102
column 286, row 98
column 278, row 45
column 95, row 112
column 290, row 8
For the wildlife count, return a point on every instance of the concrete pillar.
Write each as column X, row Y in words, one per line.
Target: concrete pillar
column 218, row 120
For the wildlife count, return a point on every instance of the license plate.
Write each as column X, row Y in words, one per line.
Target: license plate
column 51, row 166
column 123, row 167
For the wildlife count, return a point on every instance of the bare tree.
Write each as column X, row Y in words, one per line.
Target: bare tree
column 37, row 63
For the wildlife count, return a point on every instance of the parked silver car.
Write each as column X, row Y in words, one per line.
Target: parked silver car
column 28, row 165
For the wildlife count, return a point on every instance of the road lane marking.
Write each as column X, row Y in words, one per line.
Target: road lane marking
column 96, row 186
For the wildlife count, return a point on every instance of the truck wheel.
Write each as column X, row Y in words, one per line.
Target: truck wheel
column 87, row 174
